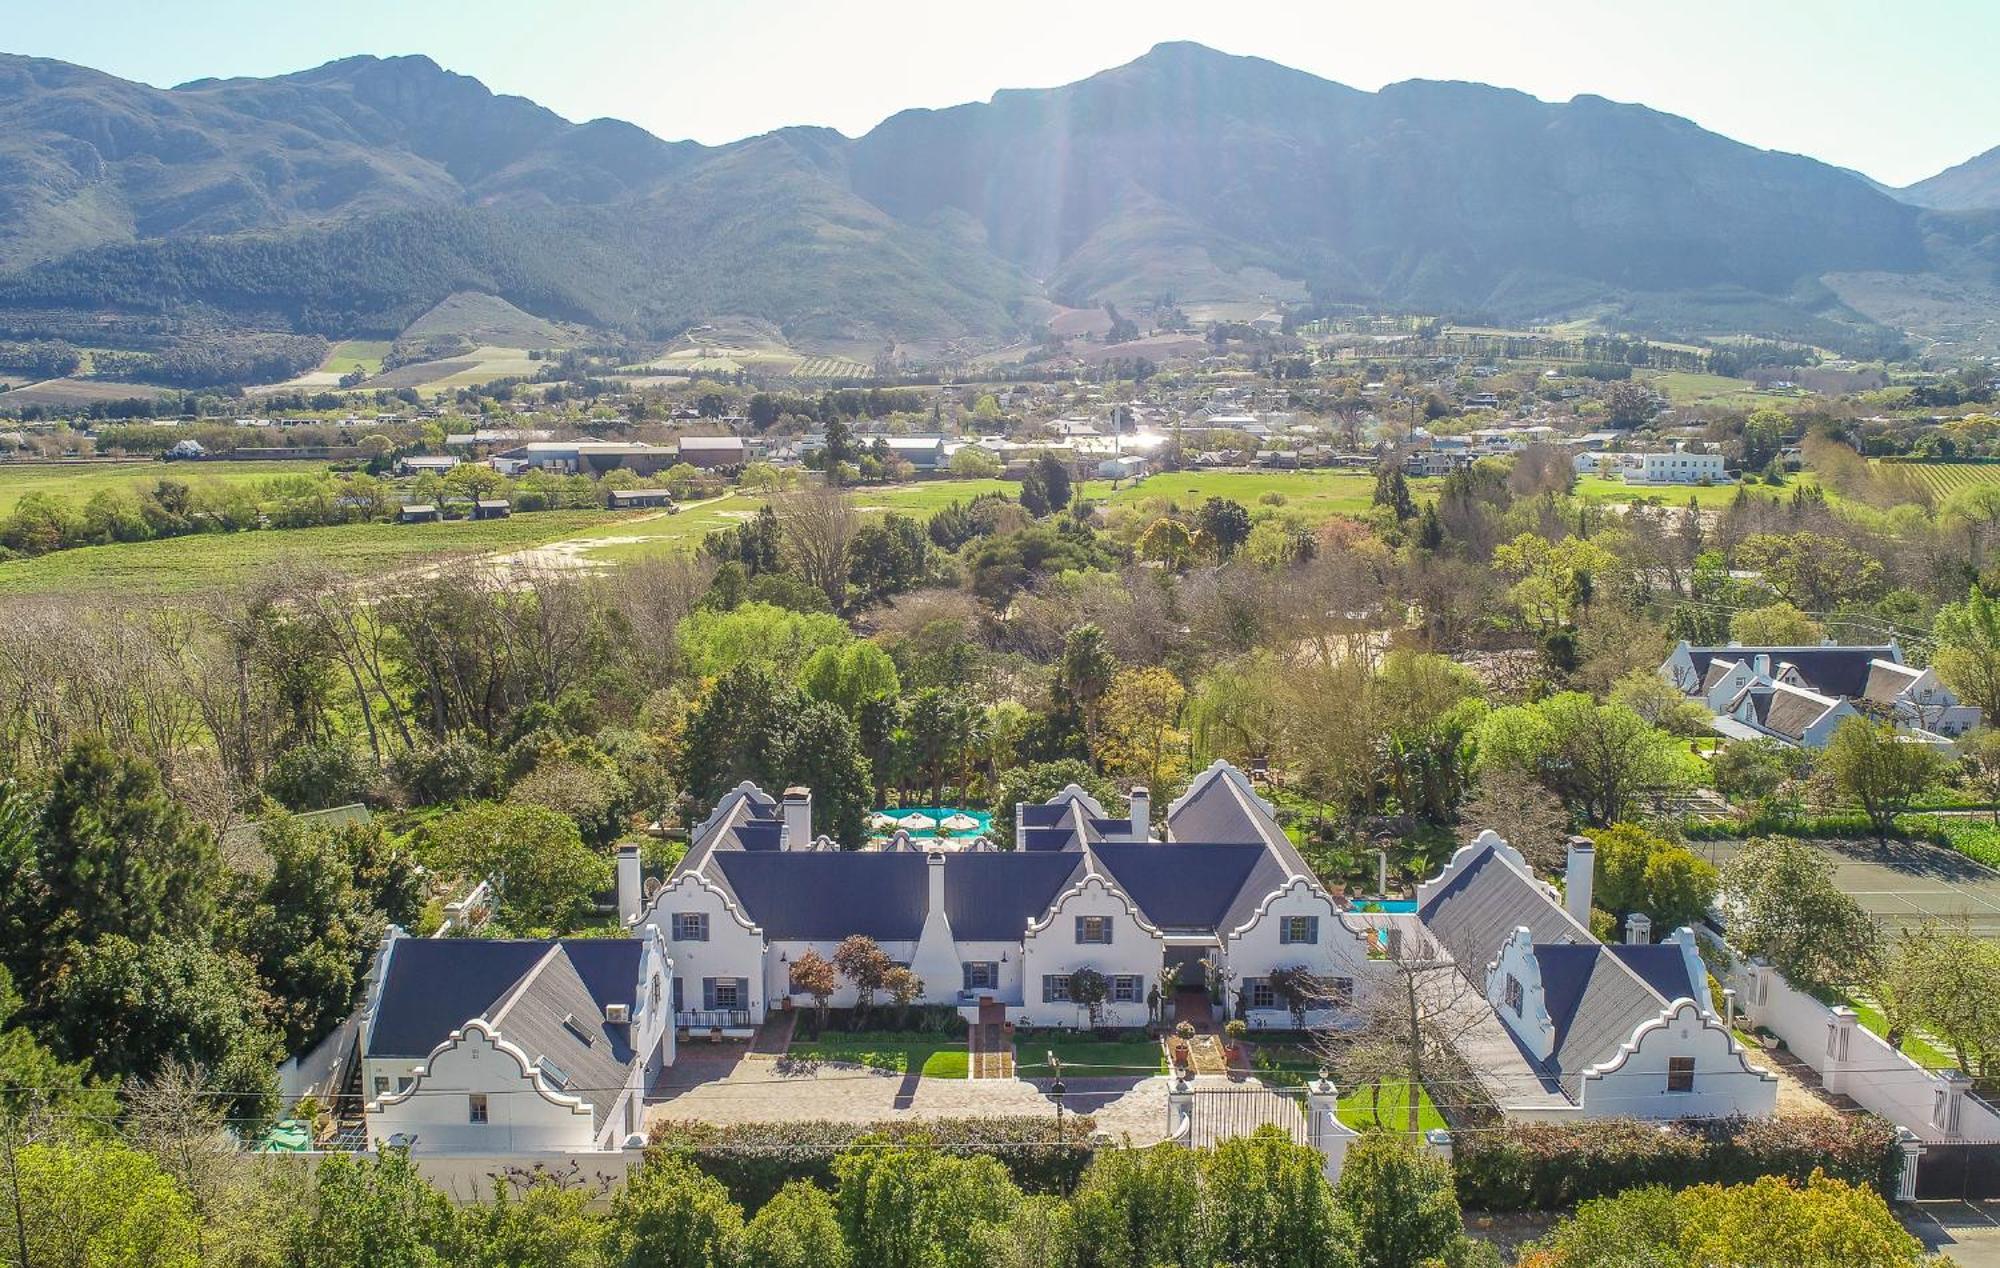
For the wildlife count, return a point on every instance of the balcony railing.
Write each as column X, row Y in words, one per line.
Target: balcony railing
column 713, row 1018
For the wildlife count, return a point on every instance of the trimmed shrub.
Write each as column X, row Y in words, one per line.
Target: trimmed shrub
column 1554, row 1166
column 755, row 1160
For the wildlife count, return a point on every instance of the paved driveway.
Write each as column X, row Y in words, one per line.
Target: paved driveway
column 724, row 1083
column 1967, row 1231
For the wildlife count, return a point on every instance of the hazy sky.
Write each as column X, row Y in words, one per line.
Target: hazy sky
column 1898, row 90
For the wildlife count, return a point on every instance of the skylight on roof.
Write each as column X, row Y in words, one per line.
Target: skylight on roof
column 575, row 1027
column 554, row 1075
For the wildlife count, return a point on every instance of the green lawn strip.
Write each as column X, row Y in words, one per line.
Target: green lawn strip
column 1916, row 1046
column 1088, row 1057
column 933, row 1056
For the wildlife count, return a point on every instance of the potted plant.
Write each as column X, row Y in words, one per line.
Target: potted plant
column 1235, row 1030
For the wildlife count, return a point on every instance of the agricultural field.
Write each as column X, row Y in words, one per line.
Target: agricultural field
column 78, row 481
column 482, row 365
column 70, row 393
column 1945, row 478
column 182, row 565
column 349, row 355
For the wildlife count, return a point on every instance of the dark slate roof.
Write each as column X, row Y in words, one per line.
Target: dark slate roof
column 1595, row 1001
column 1664, row 969
column 829, row 895
column 554, row 1018
column 992, row 897
column 1483, row 904
column 1111, row 827
column 1049, row 839
column 1215, row 815
column 1187, row 886
column 759, row 834
column 432, row 986
column 1833, row 671
column 1264, row 880
column 1041, row 814
column 609, row 967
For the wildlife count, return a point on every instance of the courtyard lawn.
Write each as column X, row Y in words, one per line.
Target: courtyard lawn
column 1288, row 1065
column 898, row 1052
column 1085, row 1056
column 1359, row 1110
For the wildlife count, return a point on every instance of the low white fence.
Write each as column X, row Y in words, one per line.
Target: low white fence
column 1854, row 1062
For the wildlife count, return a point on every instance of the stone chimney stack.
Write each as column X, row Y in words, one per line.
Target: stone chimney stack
column 796, row 812
column 1142, row 814
column 1578, row 877
column 630, row 896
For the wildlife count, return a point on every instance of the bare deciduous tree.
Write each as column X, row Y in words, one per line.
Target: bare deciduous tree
column 818, row 523
column 1413, row 1011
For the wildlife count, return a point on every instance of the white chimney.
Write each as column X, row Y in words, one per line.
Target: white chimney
column 1142, row 814
column 797, row 812
column 1762, row 666
column 629, row 893
column 935, row 871
column 1578, row 876
column 1639, row 929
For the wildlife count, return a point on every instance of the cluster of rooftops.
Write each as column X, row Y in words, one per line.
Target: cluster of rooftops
column 1228, row 855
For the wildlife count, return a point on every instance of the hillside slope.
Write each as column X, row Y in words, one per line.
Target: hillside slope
column 351, row 198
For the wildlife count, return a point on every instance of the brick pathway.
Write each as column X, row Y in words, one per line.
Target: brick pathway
column 992, row 1051
column 721, row 1083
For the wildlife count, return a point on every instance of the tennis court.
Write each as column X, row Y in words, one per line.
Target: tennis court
column 1902, row 882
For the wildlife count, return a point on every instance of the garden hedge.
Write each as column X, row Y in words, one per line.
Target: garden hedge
column 1554, row 1166
column 755, row 1160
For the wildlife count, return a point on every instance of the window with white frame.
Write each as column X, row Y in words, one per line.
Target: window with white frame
column 1095, row 929
column 1128, row 988
column 1340, row 992
column 1299, row 929
column 381, row 1085
column 690, row 926
column 1514, row 994
column 475, row 1107
column 722, row 992
column 1259, row 992
column 981, row 975
column 1055, row 988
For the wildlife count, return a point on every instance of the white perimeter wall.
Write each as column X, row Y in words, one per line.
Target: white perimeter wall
column 1882, row 1079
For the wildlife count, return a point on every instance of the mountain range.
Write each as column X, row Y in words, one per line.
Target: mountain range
column 348, row 199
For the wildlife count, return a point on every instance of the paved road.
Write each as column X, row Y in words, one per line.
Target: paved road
column 1967, row 1231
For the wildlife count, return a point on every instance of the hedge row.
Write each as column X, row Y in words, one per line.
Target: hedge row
column 1554, row 1166
column 755, row 1160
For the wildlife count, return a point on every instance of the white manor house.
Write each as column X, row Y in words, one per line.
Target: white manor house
column 509, row 1046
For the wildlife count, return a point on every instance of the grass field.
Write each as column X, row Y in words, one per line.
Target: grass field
column 627, row 541
column 78, row 481
column 933, row 1056
column 357, row 354
column 180, row 565
column 1710, row 498
column 1317, row 493
column 1685, row 388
